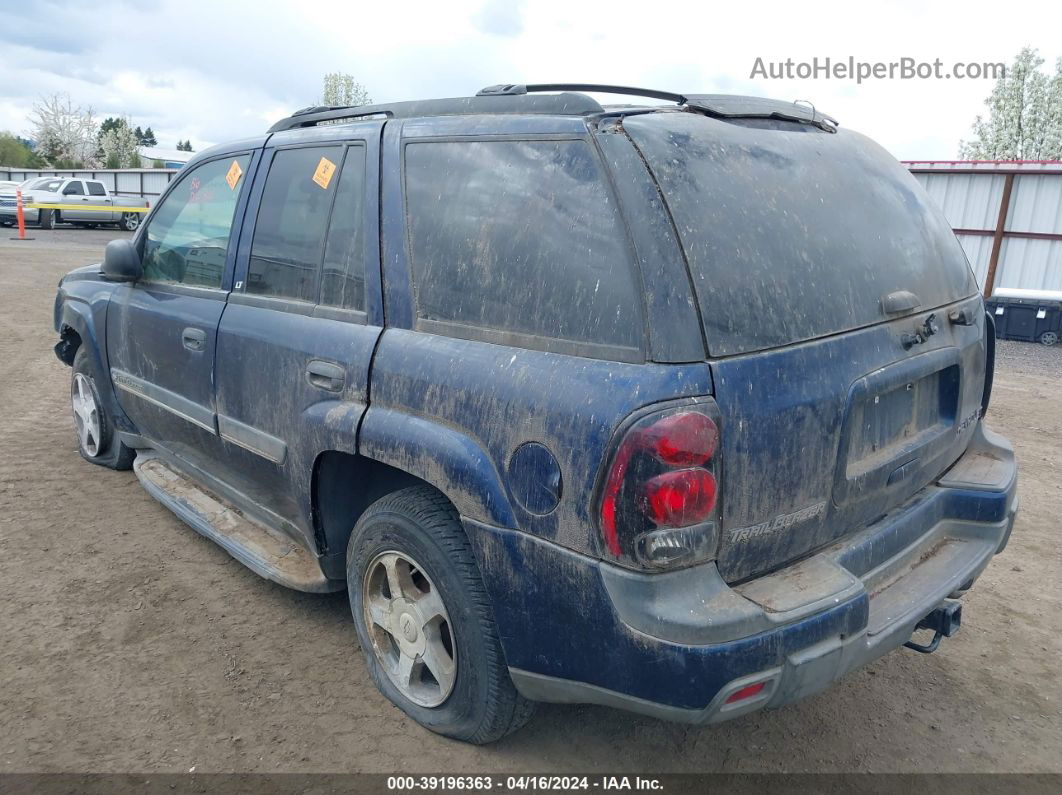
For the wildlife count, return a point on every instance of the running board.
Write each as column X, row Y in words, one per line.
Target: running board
column 264, row 551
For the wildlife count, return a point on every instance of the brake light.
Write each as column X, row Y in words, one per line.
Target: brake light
column 659, row 500
column 682, row 498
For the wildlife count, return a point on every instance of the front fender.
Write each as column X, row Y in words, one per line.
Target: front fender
column 446, row 458
column 86, row 316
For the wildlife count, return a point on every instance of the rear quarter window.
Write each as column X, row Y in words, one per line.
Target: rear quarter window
column 520, row 238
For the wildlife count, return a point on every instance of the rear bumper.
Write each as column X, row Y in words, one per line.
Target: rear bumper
column 677, row 646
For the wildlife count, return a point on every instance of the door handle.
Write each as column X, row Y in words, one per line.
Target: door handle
column 326, row 375
column 193, row 339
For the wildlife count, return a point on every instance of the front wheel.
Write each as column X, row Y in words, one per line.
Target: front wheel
column 130, row 222
column 425, row 622
column 45, row 219
column 97, row 440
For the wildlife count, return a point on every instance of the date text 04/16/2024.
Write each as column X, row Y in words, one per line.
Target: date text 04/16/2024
column 521, row 783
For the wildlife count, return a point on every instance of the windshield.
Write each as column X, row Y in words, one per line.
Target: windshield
column 47, row 184
column 793, row 233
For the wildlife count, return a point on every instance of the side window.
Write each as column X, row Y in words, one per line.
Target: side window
column 74, row 189
column 289, row 235
column 343, row 278
column 96, row 189
column 187, row 240
column 520, row 236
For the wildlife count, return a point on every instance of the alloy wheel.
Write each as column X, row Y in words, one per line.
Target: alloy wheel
column 412, row 636
column 86, row 415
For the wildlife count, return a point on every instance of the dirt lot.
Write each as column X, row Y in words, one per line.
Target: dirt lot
column 130, row 643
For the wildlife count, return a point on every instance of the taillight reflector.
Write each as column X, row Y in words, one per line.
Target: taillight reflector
column 746, row 692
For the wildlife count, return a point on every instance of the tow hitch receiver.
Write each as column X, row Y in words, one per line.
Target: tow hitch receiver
column 944, row 621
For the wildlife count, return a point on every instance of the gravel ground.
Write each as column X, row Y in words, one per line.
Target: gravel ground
column 130, row 643
column 1030, row 358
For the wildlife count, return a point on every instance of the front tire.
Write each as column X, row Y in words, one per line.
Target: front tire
column 424, row 620
column 45, row 221
column 97, row 440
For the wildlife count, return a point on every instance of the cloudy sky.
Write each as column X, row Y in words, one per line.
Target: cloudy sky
column 212, row 71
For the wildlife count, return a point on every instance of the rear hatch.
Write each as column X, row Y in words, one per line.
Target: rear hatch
column 815, row 257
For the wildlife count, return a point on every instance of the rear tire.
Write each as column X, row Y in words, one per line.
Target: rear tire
column 97, row 440
column 45, row 220
column 1049, row 338
column 415, row 536
column 130, row 222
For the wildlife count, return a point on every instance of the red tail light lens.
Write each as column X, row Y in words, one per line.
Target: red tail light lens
column 683, row 440
column 659, row 499
column 680, row 498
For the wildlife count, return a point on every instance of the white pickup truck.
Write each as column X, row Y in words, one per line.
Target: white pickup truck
column 82, row 202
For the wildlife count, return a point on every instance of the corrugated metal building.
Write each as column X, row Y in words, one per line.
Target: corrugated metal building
column 1007, row 215
column 146, row 183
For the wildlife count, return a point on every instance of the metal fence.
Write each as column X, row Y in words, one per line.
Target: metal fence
column 147, row 183
column 1006, row 214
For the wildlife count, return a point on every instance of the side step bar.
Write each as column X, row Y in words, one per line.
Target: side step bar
column 264, row 551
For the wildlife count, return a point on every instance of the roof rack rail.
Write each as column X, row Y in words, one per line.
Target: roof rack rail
column 515, row 89
column 565, row 104
column 537, row 98
column 722, row 106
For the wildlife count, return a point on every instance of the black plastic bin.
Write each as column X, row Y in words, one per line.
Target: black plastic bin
column 1029, row 315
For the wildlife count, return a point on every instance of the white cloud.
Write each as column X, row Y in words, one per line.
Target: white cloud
column 212, row 71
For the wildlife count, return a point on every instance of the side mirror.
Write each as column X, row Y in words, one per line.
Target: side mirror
column 121, row 262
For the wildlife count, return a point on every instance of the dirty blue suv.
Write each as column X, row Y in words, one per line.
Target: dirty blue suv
column 675, row 407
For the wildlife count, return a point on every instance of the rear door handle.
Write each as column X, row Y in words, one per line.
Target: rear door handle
column 326, row 375
column 193, row 339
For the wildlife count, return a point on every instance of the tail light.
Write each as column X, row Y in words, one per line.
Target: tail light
column 659, row 499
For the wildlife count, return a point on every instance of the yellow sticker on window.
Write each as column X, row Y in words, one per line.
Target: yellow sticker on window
column 233, row 177
column 323, row 175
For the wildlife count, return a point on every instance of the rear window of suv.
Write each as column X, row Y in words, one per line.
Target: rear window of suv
column 793, row 233
column 520, row 242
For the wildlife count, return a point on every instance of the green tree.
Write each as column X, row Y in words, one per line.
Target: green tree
column 341, row 89
column 149, row 138
column 1024, row 114
column 16, row 152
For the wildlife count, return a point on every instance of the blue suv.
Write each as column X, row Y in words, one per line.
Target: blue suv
column 675, row 407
